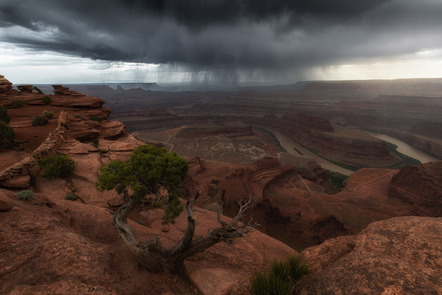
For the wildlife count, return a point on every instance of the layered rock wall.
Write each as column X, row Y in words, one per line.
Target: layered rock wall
column 19, row 175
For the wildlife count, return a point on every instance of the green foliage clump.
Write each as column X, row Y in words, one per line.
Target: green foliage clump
column 71, row 196
column 39, row 120
column 4, row 115
column 6, row 133
column 149, row 173
column 78, row 116
column 47, row 114
column 283, row 278
column 335, row 182
column 57, row 166
column 46, row 99
column 95, row 142
column 96, row 118
column 140, row 222
column 25, row 195
column 16, row 103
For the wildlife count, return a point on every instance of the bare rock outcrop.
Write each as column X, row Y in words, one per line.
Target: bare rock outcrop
column 19, row 175
column 420, row 186
column 68, row 98
column 25, row 88
column 5, row 85
column 396, row 256
column 255, row 179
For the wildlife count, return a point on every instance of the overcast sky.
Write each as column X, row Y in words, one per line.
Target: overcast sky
column 223, row 41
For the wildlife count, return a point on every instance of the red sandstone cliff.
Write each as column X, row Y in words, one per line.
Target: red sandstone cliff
column 52, row 245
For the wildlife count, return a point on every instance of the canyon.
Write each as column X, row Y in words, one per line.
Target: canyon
column 55, row 245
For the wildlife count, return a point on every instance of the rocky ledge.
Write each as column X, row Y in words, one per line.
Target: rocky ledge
column 397, row 256
column 420, row 186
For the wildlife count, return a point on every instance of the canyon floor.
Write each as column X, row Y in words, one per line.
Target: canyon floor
column 351, row 237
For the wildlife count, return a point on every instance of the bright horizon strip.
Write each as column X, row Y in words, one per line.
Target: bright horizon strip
column 22, row 66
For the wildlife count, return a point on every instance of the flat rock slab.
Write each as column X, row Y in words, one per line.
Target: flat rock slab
column 21, row 181
column 215, row 281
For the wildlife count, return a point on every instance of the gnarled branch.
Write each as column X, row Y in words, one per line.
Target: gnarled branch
column 156, row 258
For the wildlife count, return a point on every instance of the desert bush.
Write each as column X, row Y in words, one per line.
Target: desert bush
column 25, row 195
column 16, row 103
column 6, row 133
column 95, row 142
column 96, row 118
column 282, row 279
column 47, row 114
column 39, row 120
column 71, row 196
column 4, row 115
column 57, row 166
column 46, row 99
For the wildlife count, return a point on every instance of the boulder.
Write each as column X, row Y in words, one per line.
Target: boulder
column 20, row 181
column 4, row 206
column 401, row 255
column 112, row 129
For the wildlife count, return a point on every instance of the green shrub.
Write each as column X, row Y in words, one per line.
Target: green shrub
column 6, row 133
column 57, row 166
column 140, row 222
column 39, row 120
column 335, row 182
column 46, row 99
column 95, row 142
column 25, row 195
column 48, row 114
column 282, row 279
column 78, row 116
column 4, row 115
column 16, row 103
column 96, row 118
column 71, row 196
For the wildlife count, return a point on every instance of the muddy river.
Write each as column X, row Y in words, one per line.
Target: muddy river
column 406, row 149
column 292, row 146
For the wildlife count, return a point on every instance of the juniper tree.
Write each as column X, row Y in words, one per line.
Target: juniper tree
column 152, row 176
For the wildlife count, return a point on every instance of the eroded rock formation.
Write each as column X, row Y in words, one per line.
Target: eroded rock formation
column 395, row 256
column 5, row 85
column 420, row 186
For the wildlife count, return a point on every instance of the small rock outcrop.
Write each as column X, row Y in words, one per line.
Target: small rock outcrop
column 5, row 85
column 396, row 256
column 25, row 88
column 69, row 98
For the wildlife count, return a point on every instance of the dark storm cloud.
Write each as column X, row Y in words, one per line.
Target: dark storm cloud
column 223, row 35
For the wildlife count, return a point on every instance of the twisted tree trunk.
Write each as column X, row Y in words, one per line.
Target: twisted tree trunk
column 157, row 259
